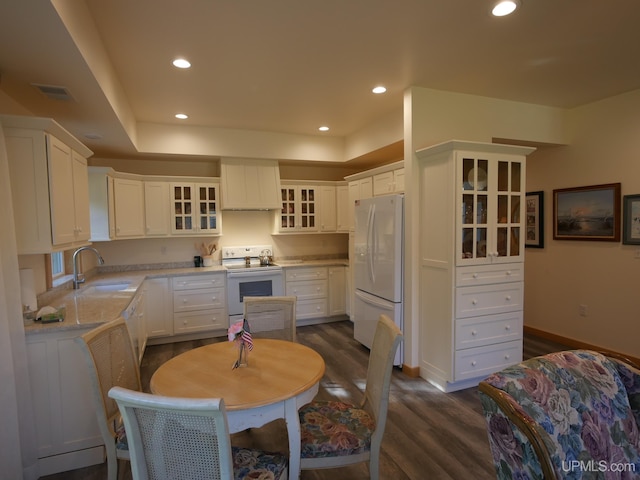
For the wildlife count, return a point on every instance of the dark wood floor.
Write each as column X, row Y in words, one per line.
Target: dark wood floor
column 429, row 434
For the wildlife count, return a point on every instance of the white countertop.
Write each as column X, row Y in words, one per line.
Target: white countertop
column 88, row 310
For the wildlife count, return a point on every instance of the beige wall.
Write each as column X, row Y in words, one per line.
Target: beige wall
column 604, row 276
column 239, row 228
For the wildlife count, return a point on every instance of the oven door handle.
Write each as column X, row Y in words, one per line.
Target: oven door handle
column 253, row 275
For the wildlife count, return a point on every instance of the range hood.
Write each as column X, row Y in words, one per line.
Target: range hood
column 250, row 184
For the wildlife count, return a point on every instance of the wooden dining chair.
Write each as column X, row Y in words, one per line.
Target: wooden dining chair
column 271, row 317
column 111, row 362
column 336, row 434
column 173, row 438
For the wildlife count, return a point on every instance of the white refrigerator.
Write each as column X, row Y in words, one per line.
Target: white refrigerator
column 378, row 265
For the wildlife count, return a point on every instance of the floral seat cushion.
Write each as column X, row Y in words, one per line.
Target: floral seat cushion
column 580, row 404
column 254, row 464
column 330, row 429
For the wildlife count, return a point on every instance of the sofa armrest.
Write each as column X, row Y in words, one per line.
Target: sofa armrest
column 630, row 376
column 517, row 444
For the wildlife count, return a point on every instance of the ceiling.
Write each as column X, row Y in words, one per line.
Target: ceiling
column 289, row 66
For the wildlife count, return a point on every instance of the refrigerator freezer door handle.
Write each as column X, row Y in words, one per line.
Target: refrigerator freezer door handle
column 371, row 242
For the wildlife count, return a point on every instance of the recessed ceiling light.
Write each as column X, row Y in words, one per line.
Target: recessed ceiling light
column 181, row 63
column 182, row 116
column 505, row 7
column 379, row 89
column 323, row 128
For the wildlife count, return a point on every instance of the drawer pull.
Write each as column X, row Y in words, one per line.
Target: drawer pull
column 508, row 298
column 475, row 275
column 473, row 363
column 507, row 356
column 507, row 327
column 184, row 300
column 184, row 322
column 474, row 333
column 508, row 273
column 474, row 302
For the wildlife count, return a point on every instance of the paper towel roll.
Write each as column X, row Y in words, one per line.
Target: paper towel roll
column 28, row 289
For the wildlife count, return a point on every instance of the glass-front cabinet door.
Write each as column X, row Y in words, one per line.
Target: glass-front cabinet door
column 490, row 209
column 195, row 208
column 298, row 211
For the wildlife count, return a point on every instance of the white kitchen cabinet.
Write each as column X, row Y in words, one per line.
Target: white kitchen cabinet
column 67, row 433
column 328, row 209
column 50, row 193
column 135, row 319
column 250, row 184
column 199, row 303
column 129, row 207
column 343, row 208
column 195, row 209
column 298, row 212
column 156, row 209
column 388, row 182
column 309, row 285
column 471, row 260
column 101, row 204
column 337, row 290
column 491, row 202
column 158, row 307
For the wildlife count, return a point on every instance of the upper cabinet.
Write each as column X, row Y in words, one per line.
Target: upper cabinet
column 157, row 218
column 250, row 184
column 129, row 208
column 49, row 180
column 195, row 208
column 491, row 205
column 299, row 208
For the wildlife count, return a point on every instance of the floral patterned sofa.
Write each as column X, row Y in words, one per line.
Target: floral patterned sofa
column 572, row 414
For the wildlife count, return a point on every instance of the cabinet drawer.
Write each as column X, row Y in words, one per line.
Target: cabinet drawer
column 311, row 309
column 211, row 319
column 188, row 300
column 483, row 361
column 489, row 274
column 307, row 290
column 301, row 274
column 198, row 281
column 488, row 299
column 488, row 329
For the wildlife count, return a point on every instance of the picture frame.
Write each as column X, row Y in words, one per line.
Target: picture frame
column 587, row 213
column 534, row 226
column 631, row 220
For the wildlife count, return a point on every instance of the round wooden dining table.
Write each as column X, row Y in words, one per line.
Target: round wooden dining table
column 280, row 378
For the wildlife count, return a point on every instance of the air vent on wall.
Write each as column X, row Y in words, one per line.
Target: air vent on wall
column 54, row 92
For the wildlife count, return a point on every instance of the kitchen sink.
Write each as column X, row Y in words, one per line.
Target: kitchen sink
column 107, row 288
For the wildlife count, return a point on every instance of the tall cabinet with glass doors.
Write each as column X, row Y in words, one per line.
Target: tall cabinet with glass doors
column 472, row 228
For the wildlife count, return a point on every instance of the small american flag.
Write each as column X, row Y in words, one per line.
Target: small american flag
column 246, row 335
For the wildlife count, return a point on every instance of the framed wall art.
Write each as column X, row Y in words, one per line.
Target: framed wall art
column 535, row 220
column 631, row 220
column 587, row 213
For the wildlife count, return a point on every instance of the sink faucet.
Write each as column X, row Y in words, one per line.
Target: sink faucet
column 78, row 278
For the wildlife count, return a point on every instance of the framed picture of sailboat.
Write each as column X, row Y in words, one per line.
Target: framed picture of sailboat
column 587, row 213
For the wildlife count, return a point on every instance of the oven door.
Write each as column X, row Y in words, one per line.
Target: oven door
column 251, row 284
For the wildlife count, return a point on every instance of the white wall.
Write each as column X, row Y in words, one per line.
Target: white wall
column 605, row 148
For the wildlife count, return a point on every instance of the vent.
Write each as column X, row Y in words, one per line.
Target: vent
column 55, row 93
